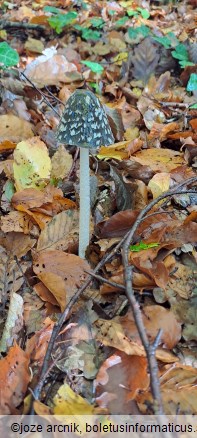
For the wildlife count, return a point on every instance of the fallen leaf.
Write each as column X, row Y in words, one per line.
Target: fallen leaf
column 14, row 129
column 159, row 160
column 122, row 377
column 32, row 164
column 154, row 318
column 14, row 378
column 61, row 273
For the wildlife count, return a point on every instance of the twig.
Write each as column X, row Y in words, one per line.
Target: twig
column 42, row 381
column 20, row 25
column 41, row 93
column 25, row 279
column 174, row 104
column 107, row 257
column 104, row 280
column 149, row 348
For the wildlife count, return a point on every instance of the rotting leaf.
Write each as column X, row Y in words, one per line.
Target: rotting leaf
column 155, row 318
column 11, row 277
column 125, row 191
column 145, row 60
column 60, row 232
column 14, row 129
column 61, row 273
column 61, row 163
column 32, row 164
column 14, row 378
column 121, row 376
column 37, row 345
column 66, row 402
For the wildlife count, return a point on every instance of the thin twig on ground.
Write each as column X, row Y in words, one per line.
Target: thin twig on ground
column 107, row 257
column 105, row 280
column 41, row 93
column 21, row 25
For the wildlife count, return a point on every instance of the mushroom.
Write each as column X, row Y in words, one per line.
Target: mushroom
column 84, row 124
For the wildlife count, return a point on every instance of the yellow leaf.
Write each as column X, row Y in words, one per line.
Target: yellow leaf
column 159, row 160
column 131, row 133
column 118, row 151
column 66, row 402
column 159, row 183
column 32, row 164
column 118, row 59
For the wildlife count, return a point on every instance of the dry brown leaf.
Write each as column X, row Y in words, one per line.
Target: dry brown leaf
column 145, row 59
column 14, row 129
column 159, row 160
column 154, row 318
column 57, row 287
column 16, row 221
column 178, row 391
column 37, row 345
column 44, row 293
column 62, row 273
column 59, row 233
column 14, row 378
column 123, row 377
column 11, row 277
column 16, row 243
column 61, row 163
column 50, row 69
column 111, row 333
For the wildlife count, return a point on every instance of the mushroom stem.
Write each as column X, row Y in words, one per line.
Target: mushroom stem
column 84, row 215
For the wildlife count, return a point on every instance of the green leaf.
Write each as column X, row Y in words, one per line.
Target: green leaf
column 111, row 12
column 164, row 41
column 192, row 83
column 186, row 63
column 144, row 13
column 95, row 86
column 180, row 52
column 97, row 22
column 121, row 22
column 88, row 34
column 52, row 9
column 8, row 56
column 193, row 106
column 140, row 30
column 94, row 66
column 58, row 21
column 9, row 190
column 139, row 246
column 132, row 12
column 78, row 27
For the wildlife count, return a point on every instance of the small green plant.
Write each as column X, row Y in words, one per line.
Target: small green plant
column 88, row 34
column 94, row 66
column 182, row 55
column 139, row 246
column 8, row 56
column 179, row 51
column 97, row 22
column 58, row 20
column 192, row 83
column 138, row 33
column 138, row 11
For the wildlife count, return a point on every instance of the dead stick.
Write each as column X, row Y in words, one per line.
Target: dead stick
column 105, row 259
column 104, row 280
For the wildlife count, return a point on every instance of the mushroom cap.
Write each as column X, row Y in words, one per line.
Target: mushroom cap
column 84, row 122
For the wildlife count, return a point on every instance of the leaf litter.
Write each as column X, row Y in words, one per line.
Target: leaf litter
column 123, row 54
